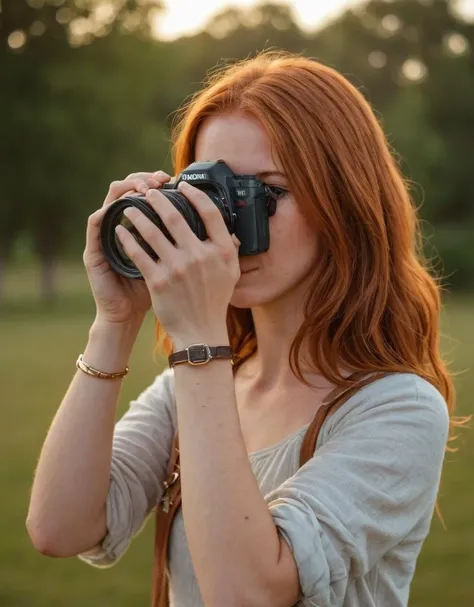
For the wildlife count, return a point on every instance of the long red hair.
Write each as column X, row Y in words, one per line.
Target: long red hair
column 373, row 304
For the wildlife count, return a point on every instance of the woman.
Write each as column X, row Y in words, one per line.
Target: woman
column 342, row 288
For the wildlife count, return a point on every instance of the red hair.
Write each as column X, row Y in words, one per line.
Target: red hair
column 372, row 305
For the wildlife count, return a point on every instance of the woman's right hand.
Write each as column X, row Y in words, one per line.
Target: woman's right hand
column 119, row 300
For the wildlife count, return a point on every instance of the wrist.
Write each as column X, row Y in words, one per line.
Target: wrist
column 101, row 328
column 215, row 336
column 110, row 346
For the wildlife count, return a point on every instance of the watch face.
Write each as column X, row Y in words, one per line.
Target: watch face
column 198, row 354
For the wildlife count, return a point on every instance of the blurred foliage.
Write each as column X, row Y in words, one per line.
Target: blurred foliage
column 88, row 96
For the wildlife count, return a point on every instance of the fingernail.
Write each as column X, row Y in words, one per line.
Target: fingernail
column 153, row 183
column 143, row 188
column 183, row 185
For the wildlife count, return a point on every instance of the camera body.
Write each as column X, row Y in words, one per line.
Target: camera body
column 244, row 202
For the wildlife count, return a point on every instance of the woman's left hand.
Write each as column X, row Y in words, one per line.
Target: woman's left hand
column 192, row 283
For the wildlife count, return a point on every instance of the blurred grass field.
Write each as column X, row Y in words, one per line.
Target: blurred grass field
column 37, row 362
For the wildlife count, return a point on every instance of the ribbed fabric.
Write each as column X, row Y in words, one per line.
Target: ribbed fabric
column 355, row 515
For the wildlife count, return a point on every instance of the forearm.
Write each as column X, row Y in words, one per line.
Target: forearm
column 232, row 537
column 67, row 506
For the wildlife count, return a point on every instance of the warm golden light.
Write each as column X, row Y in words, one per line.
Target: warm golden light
column 178, row 19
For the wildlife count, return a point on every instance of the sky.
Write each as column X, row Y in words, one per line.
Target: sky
column 189, row 16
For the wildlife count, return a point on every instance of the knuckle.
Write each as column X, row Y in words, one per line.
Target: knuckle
column 174, row 218
column 199, row 259
column 158, row 283
column 228, row 254
column 140, row 185
column 160, row 175
column 93, row 217
column 178, row 270
column 203, row 256
column 115, row 185
column 131, row 176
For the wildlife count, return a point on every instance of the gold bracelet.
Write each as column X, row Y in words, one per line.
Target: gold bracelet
column 83, row 366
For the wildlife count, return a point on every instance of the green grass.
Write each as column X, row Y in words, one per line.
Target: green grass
column 37, row 358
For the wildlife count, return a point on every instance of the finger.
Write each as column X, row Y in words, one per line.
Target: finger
column 209, row 213
column 175, row 223
column 135, row 182
column 139, row 175
column 159, row 178
column 93, row 245
column 151, row 180
column 136, row 253
column 152, row 235
column 117, row 189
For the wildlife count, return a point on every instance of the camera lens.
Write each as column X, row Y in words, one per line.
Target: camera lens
column 114, row 216
column 124, row 258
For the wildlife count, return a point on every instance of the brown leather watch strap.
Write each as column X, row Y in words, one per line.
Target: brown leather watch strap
column 200, row 354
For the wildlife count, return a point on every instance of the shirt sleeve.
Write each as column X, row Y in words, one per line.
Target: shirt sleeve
column 140, row 456
column 372, row 481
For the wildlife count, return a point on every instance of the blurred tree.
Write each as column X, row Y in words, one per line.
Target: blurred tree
column 88, row 96
column 413, row 59
column 420, row 150
column 77, row 21
column 237, row 33
column 62, row 69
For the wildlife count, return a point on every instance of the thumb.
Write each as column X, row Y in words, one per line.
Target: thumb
column 236, row 241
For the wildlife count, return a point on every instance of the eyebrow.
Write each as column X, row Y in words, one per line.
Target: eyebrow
column 270, row 174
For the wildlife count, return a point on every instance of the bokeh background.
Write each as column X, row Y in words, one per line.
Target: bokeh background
column 88, row 92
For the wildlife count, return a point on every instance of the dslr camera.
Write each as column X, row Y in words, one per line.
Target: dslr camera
column 244, row 202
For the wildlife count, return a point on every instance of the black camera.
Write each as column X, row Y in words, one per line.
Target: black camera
column 244, row 201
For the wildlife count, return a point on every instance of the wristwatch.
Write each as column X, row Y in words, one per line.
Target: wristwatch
column 200, row 354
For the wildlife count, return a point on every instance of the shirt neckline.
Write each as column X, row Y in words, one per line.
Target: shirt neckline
column 266, row 450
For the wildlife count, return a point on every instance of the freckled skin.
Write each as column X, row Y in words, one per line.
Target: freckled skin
column 242, row 142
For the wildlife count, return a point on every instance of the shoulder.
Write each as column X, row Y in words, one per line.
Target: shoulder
column 405, row 402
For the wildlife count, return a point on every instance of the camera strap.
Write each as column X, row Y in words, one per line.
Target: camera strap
column 171, row 500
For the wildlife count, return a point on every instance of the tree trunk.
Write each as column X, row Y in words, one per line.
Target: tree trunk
column 48, row 278
column 47, row 235
column 3, row 267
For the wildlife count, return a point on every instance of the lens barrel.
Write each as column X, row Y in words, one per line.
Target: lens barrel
column 111, row 246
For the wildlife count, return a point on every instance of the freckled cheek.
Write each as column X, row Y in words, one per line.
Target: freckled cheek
column 289, row 231
column 292, row 245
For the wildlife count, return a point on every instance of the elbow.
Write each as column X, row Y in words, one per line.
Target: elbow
column 42, row 540
column 48, row 542
column 64, row 539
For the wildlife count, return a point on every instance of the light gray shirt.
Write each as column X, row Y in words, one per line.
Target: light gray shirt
column 355, row 515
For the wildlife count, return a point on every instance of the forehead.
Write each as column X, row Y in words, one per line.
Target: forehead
column 238, row 139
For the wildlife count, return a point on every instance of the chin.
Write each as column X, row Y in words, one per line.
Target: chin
column 253, row 291
column 251, row 296
column 245, row 300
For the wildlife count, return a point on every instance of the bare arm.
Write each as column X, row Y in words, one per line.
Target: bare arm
column 67, row 512
column 366, row 488
column 259, row 569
